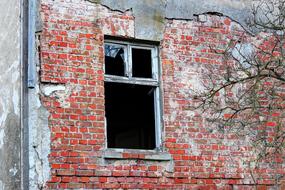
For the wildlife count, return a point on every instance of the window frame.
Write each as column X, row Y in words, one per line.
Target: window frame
column 129, row 79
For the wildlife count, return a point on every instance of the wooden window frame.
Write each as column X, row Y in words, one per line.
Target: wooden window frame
column 129, row 79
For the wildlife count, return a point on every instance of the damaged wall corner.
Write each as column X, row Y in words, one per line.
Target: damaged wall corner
column 39, row 145
column 39, row 131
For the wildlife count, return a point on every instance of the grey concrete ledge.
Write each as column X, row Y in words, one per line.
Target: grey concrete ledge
column 136, row 154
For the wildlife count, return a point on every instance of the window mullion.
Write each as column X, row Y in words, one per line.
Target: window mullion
column 158, row 117
column 126, row 61
column 154, row 63
column 129, row 62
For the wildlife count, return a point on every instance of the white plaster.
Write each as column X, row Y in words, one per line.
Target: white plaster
column 47, row 90
column 2, row 135
column 13, row 171
column 202, row 18
column 16, row 100
column 2, row 186
column 39, row 136
column 4, row 102
column 196, row 84
column 174, row 107
column 261, row 118
column 10, row 90
column 39, row 144
column 234, row 4
column 3, row 112
column 9, row 96
column 195, row 150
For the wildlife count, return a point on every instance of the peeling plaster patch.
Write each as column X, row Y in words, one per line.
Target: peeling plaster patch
column 202, row 18
column 39, row 145
column 39, row 134
column 47, row 90
column 61, row 92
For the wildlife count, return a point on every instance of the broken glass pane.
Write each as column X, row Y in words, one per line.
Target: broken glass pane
column 114, row 59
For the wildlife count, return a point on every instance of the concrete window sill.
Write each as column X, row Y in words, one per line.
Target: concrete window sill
column 136, row 154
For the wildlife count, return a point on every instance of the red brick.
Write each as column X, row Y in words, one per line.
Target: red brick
column 72, row 48
column 66, row 172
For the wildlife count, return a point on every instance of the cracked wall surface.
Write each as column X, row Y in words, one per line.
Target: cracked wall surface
column 10, row 92
column 150, row 15
column 39, row 136
column 68, row 135
column 66, row 108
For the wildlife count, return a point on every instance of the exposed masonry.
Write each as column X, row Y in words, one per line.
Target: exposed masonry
column 39, row 132
column 70, row 98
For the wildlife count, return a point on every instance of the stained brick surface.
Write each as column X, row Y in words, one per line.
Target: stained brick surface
column 72, row 54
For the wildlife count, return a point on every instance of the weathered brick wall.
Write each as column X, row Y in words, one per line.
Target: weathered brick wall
column 72, row 57
column 200, row 151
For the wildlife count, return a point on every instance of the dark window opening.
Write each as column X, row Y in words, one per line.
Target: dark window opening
column 141, row 59
column 130, row 116
column 114, row 60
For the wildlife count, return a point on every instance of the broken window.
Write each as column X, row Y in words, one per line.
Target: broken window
column 132, row 96
column 114, row 59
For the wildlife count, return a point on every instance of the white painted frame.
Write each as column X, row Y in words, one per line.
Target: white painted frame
column 154, row 81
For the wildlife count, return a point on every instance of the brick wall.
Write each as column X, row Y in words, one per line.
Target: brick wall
column 71, row 49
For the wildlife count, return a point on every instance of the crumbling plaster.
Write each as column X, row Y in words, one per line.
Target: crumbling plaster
column 150, row 15
column 39, row 134
column 10, row 91
column 39, row 144
column 150, row 21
